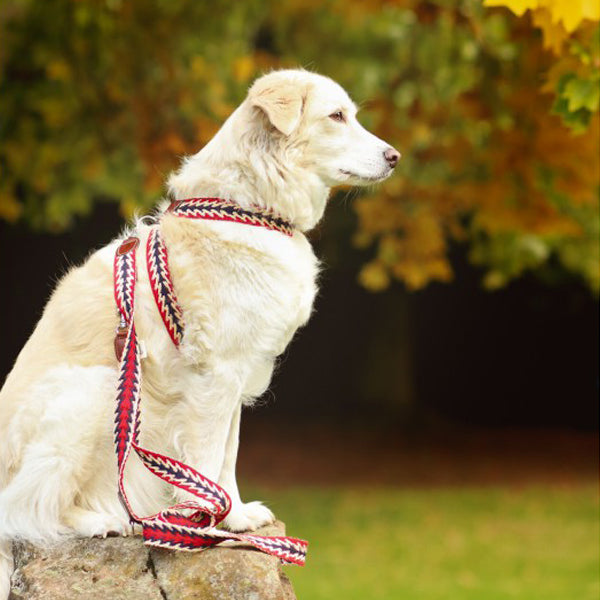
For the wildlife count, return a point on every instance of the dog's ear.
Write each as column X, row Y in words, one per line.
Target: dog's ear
column 281, row 102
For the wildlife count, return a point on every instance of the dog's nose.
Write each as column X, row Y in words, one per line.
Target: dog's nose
column 392, row 156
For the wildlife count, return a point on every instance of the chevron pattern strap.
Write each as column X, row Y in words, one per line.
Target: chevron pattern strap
column 125, row 276
column 157, row 262
column 217, row 209
column 192, row 525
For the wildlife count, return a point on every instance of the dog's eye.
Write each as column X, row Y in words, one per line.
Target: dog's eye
column 337, row 116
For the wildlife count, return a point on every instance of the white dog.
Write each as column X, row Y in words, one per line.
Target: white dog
column 243, row 291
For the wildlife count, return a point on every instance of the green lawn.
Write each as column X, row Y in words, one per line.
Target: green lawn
column 432, row 544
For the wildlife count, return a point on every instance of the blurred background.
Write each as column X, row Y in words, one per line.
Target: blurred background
column 433, row 431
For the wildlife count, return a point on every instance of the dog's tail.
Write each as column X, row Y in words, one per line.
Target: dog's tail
column 6, row 568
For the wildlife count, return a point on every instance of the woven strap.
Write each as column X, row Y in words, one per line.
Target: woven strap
column 189, row 525
column 157, row 262
column 217, row 209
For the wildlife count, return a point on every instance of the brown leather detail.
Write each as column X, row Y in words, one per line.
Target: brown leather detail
column 174, row 204
column 131, row 243
column 120, row 338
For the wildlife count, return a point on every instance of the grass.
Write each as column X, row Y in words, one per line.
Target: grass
column 434, row 544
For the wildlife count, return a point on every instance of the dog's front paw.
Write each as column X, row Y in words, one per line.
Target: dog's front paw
column 248, row 517
column 87, row 523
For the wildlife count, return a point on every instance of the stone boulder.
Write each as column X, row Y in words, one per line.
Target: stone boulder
column 123, row 568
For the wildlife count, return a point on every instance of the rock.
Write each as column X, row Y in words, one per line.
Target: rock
column 115, row 568
column 122, row 568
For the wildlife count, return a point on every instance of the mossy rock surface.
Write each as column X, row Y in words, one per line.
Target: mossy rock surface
column 122, row 568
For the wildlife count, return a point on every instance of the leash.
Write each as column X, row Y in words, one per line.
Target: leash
column 190, row 525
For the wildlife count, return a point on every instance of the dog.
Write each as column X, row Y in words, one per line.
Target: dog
column 244, row 291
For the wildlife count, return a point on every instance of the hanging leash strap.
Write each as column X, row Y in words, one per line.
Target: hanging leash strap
column 157, row 263
column 190, row 525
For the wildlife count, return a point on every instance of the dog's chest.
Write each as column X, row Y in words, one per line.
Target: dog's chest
column 243, row 299
column 267, row 296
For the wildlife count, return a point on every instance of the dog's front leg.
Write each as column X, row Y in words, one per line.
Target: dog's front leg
column 205, row 433
column 243, row 516
column 198, row 425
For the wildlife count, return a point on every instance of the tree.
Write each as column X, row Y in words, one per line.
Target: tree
column 570, row 32
column 104, row 97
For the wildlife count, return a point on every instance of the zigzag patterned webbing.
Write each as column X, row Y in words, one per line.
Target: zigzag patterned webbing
column 191, row 525
column 157, row 261
column 217, row 209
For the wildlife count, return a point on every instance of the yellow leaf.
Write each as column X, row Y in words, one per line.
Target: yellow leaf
column 128, row 206
column 554, row 33
column 374, row 277
column 243, row 68
column 413, row 274
column 517, row 6
column 572, row 12
column 198, row 66
column 568, row 12
column 58, row 70
column 494, row 280
column 10, row 209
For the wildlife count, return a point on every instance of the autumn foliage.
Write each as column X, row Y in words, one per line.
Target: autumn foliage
column 495, row 113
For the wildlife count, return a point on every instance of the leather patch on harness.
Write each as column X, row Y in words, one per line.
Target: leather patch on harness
column 131, row 243
column 120, row 338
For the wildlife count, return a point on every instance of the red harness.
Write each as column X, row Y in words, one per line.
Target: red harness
column 189, row 525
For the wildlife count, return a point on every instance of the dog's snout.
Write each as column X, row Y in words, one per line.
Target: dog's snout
column 392, row 156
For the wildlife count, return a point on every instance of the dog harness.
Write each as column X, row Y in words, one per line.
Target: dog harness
column 190, row 525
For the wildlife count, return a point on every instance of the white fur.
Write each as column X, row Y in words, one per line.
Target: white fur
column 244, row 292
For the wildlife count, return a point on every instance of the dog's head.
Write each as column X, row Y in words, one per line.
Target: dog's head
column 315, row 115
column 293, row 138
